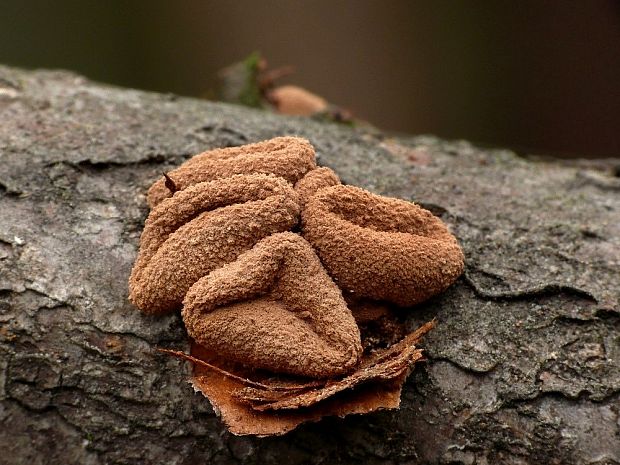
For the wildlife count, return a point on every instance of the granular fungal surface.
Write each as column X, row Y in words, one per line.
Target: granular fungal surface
column 276, row 266
column 381, row 248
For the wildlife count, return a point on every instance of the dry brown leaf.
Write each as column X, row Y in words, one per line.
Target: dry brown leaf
column 265, row 406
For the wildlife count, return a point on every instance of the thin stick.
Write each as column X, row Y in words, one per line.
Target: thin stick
column 248, row 382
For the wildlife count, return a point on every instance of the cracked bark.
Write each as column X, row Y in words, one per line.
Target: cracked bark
column 523, row 366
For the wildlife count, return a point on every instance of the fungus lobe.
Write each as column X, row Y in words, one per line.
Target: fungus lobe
column 381, row 248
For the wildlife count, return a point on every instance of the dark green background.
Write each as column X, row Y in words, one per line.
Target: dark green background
column 538, row 76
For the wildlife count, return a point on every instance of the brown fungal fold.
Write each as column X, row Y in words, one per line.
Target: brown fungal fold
column 203, row 227
column 300, row 323
column 315, row 180
column 288, row 327
column 287, row 157
column 381, row 248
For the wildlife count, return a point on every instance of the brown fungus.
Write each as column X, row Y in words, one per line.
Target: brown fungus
column 274, row 341
column 381, row 248
column 202, row 228
column 315, row 180
column 275, row 308
column 287, row 157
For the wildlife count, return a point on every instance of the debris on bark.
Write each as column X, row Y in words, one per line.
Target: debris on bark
column 252, row 83
column 521, row 368
column 259, row 297
column 247, row 406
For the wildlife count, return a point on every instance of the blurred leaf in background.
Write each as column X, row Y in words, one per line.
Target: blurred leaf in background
column 239, row 82
column 250, row 82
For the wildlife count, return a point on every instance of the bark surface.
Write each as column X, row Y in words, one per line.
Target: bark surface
column 523, row 367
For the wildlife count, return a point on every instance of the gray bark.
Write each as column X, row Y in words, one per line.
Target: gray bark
column 523, row 366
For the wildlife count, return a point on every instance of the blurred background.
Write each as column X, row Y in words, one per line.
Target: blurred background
column 541, row 77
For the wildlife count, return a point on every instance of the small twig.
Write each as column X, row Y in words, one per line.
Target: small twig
column 248, row 382
column 267, row 77
column 170, row 184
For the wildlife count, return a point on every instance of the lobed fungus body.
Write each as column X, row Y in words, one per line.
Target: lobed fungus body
column 381, row 248
column 287, row 157
column 202, row 228
column 259, row 299
column 275, row 308
column 315, row 180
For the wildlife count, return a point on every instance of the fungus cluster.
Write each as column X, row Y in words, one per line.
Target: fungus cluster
column 285, row 279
